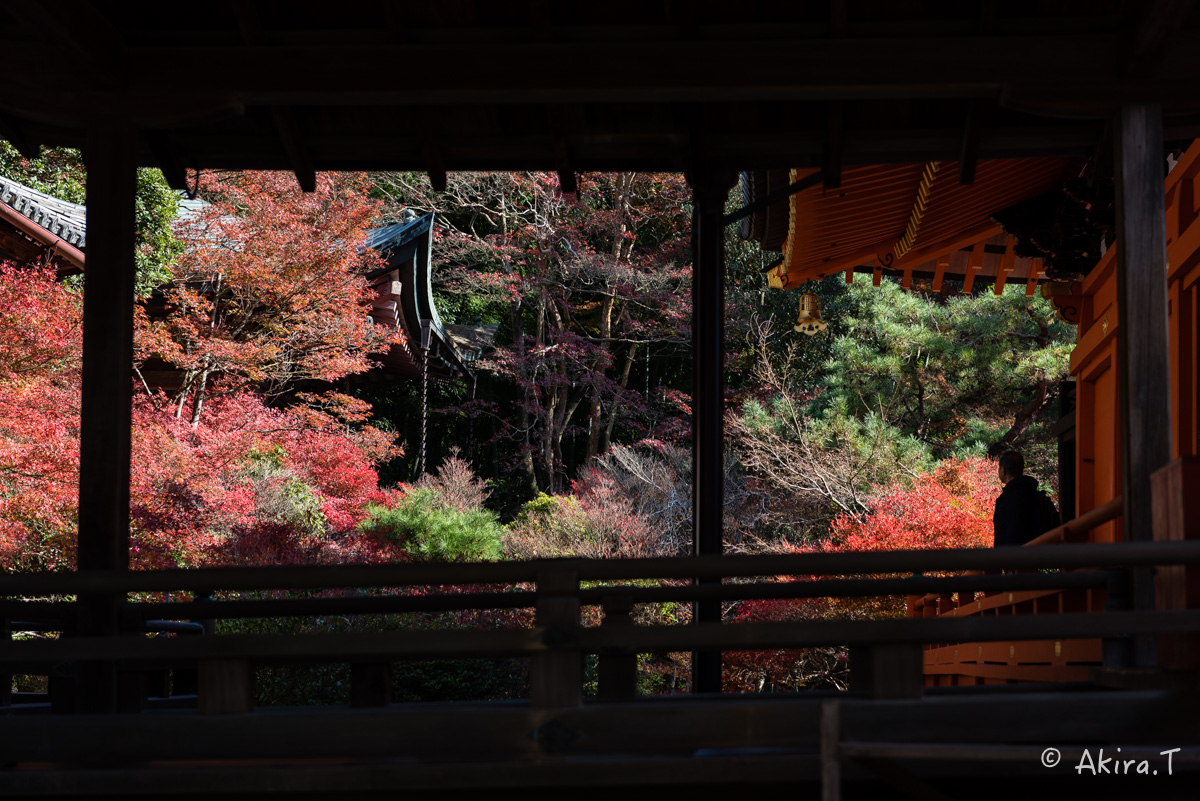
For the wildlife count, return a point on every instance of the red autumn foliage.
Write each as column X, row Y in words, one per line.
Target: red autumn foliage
column 949, row 507
column 39, row 415
column 270, row 289
column 247, row 485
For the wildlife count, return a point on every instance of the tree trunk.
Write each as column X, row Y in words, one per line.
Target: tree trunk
column 606, row 309
column 1024, row 417
column 606, row 443
column 522, row 411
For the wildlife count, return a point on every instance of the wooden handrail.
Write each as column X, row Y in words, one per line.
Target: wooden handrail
column 1066, row 557
column 658, row 638
column 1085, row 522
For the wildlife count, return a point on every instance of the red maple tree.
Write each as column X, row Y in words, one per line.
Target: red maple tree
column 270, row 290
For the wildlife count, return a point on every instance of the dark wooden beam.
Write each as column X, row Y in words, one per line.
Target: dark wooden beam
column 284, row 119
column 1143, row 344
column 80, row 34
column 1060, row 557
column 169, row 162
column 297, row 151
column 106, row 403
column 835, row 145
column 710, row 191
column 652, row 71
column 248, row 21
column 839, row 19
column 13, row 131
column 1157, row 23
column 435, row 162
column 969, row 158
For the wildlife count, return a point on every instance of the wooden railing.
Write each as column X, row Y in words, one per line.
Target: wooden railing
column 887, row 652
column 1061, row 660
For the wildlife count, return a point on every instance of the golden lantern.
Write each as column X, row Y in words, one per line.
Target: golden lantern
column 810, row 321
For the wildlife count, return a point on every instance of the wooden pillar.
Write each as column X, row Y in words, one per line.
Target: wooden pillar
column 709, row 192
column 107, row 394
column 1143, row 343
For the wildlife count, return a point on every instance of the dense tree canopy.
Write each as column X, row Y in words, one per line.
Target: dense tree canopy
column 582, row 287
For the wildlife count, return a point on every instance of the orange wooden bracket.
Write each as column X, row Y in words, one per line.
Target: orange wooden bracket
column 939, row 272
column 973, row 266
column 1006, row 264
column 1035, row 268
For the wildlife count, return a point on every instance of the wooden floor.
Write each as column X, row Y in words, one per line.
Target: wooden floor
column 973, row 743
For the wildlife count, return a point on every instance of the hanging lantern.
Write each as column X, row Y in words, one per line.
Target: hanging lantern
column 810, row 321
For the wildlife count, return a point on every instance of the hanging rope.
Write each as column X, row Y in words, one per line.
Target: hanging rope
column 424, row 409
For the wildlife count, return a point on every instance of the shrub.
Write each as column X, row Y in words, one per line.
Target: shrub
column 456, row 485
column 431, row 531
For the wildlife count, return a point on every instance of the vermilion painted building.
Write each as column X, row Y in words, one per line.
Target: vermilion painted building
column 924, row 226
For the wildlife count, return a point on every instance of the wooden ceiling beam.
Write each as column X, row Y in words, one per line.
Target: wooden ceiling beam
column 168, row 159
column 293, row 145
column 13, row 132
column 1157, row 23
column 633, row 72
column 835, row 144
column 284, row 119
column 969, row 158
column 77, row 33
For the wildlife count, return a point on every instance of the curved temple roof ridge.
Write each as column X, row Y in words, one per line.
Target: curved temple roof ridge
column 404, row 300
column 67, row 221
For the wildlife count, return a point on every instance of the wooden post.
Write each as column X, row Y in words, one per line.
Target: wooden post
column 556, row 676
column 709, row 191
column 896, row 670
column 370, row 684
column 226, row 687
column 617, row 673
column 1143, row 349
column 107, row 395
column 5, row 677
column 831, row 766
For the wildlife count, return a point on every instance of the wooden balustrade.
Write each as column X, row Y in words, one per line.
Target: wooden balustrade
column 1069, row 659
column 948, row 607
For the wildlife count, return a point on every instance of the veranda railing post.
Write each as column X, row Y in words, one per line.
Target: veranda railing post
column 831, row 764
column 370, row 684
column 1118, row 650
column 556, row 675
column 5, row 677
column 617, row 672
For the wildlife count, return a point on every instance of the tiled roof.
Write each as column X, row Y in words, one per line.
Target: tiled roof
column 67, row 221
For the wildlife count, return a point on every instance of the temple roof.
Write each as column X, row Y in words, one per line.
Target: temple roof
column 915, row 219
column 404, row 300
column 36, row 227
column 67, row 221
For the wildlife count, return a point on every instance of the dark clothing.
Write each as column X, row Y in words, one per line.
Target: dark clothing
column 1016, row 519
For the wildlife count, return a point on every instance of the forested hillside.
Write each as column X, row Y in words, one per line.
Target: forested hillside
column 872, row 434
